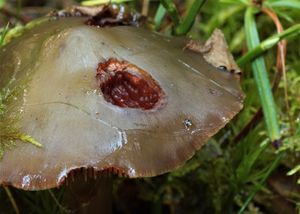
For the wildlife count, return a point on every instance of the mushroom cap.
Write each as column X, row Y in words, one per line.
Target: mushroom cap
column 62, row 106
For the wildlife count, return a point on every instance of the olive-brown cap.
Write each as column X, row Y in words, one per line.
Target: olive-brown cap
column 121, row 98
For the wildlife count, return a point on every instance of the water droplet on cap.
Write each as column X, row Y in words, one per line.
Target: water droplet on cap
column 187, row 123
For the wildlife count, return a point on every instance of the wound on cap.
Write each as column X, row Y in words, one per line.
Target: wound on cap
column 125, row 85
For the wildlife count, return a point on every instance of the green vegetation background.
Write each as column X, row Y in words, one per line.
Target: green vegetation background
column 253, row 164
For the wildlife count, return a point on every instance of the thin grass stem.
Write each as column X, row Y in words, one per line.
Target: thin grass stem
column 261, row 183
column 61, row 207
column 11, row 199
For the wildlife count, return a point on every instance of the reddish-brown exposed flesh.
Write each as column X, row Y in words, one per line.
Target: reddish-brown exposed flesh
column 125, row 85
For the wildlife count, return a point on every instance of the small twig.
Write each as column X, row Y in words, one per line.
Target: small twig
column 145, row 8
column 10, row 13
column 281, row 56
column 255, row 120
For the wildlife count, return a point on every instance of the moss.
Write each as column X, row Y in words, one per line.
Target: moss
column 8, row 34
column 10, row 134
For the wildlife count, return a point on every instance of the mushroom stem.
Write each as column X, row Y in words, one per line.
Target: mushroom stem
column 89, row 194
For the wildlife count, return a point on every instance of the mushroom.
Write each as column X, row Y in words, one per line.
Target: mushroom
column 115, row 98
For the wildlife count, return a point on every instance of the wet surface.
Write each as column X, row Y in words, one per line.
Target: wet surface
column 64, row 109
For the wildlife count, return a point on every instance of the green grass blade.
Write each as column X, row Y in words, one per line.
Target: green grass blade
column 232, row 2
column 284, row 15
column 3, row 34
column 244, row 168
column 267, row 44
column 188, row 21
column 160, row 13
column 29, row 139
column 221, row 17
column 261, row 78
column 294, row 170
column 171, row 9
column 263, row 180
column 2, row 2
column 291, row 4
column 237, row 40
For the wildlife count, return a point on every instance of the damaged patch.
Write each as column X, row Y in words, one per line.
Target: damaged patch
column 125, row 85
column 102, row 16
column 113, row 16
